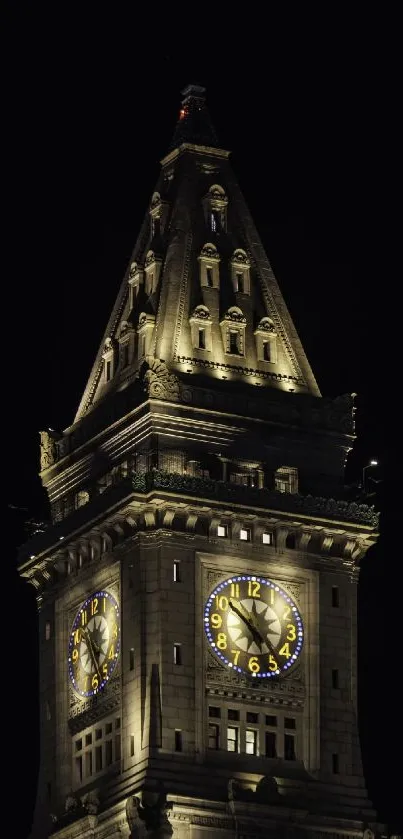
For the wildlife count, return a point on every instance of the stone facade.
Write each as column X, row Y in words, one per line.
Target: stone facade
column 192, row 466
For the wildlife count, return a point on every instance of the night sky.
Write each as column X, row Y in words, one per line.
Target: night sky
column 88, row 119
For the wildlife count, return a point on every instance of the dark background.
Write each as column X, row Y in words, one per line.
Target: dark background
column 90, row 107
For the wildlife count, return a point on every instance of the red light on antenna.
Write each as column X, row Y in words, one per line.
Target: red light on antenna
column 182, row 113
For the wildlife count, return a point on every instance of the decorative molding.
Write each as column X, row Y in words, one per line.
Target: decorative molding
column 157, row 381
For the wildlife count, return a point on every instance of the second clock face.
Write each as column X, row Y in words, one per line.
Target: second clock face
column 94, row 643
column 253, row 626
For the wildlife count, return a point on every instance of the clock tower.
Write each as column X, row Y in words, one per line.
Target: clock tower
column 197, row 586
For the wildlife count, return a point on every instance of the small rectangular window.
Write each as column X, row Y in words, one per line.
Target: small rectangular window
column 117, row 722
column 213, row 736
column 335, row 678
column 131, row 659
column 47, row 631
column 244, row 534
column 289, row 747
column 108, row 753
column 213, row 711
column 88, row 764
column 290, row 722
column 78, row 745
column 335, row 764
column 178, row 740
column 202, row 339
column 98, row 733
column 177, row 654
column 132, row 745
column 251, row 742
column 239, row 283
column 233, row 739
column 267, row 538
column 270, row 744
column 271, row 720
column 98, row 758
column 252, row 717
column 79, row 769
column 88, row 739
column 335, row 596
column 222, row 530
column 177, row 571
column 108, row 370
column 143, row 345
column 234, row 342
column 108, row 728
column 266, row 351
column 48, row 712
column 117, row 747
column 209, row 275
column 125, row 355
column 233, row 714
column 105, row 545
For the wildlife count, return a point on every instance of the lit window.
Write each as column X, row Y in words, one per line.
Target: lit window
column 244, row 535
column 233, row 739
column 250, row 742
column 177, row 571
column 267, row 538
column 286, row 479
column 222, row 530
column 178, row 740
column 213, row 221
column 177, row 654
column 213, row 736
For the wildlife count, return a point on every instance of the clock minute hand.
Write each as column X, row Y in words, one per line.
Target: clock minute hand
column 90, row 648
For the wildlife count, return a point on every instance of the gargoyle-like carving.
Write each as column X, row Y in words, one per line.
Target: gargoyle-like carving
column 209, row 251
column 201, row 313
column 235, row 314
column 48, row 449
column 148, row 817
column 240, row 257
column 266, row 325
column 90, row 802
column 158, row 382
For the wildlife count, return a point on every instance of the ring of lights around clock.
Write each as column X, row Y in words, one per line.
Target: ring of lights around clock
column 94, row 644
column 253, row 626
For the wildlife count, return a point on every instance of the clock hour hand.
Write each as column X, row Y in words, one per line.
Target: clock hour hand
column 89, row 643
column 247, row 618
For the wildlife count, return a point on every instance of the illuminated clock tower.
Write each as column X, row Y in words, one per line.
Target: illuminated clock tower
column 197, row 587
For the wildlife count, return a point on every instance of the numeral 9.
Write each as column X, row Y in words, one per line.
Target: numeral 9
column 216, row 620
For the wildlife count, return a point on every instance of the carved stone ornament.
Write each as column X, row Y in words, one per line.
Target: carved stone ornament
column 150, row 258
column 158, row 382
column 155, row 200
column 216, row 191
column 201, row 313
column 265, row 325
column 240, row 257
column 209, row 251
column 147, row 818
column 48, row 450
column 235, row 315
column 125, row 327
column 133, row 270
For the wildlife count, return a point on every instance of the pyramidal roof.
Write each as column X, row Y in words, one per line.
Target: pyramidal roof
column 199, row 295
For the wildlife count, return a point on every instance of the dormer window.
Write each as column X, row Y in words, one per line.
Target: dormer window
column 126, row 339
column 200, row 327
column 286, row 479
column 209, row 262
column 108, row 359
column 152, row 270
column 240, row 272
column 266, row 341
column 135, row 281
column 158, row 214
column 145, row 331
column 233, row 328
column 215, row 207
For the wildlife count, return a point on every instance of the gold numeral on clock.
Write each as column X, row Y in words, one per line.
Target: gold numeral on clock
column 253, row 588
column 114, row 631
column 222, row 641
column 111, row 653
column 292, row 632
column 286, row 613
column 76, row 635
column 272, row 664
column 216, row 620
column 94, row 681
column 74, row 655
column 221, row 602
column 253, row 664
column 105, row 670
column 235, row 590
column 83, row 617
column 285, row 651
column 236, row 654
column 94, row 606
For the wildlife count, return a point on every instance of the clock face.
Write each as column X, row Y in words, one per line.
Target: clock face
column 253, row 626
column 94, row 644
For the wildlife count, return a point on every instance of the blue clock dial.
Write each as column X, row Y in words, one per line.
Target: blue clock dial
column 94, row 644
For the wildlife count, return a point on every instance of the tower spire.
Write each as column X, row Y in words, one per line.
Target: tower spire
column 194, row 124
